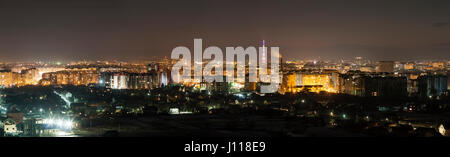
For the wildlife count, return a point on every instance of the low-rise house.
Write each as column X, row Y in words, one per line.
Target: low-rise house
column 444, row 129
column 10, row 128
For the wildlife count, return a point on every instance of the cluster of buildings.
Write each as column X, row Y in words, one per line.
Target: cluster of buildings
column 72, row 77
column 358, row 78
column 365, row 78
column 9, row 78
column 109, row 75
column 354, row 77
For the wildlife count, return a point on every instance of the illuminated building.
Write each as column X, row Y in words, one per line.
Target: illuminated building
column 164, row 79
column 317, row 82
column 76, row 78
column 27, row 77
column 366, row 69
column 438, row 65
column 412, row 81
column 119, row 81
column 288, row 84
column 10, row 127
column 6, row 78
column 409, row 66
column 125, row 80
column 412, row 84
column 10, row 79
column 444, row 129
column 385, row 67
column 313, row 81
column 108, row 67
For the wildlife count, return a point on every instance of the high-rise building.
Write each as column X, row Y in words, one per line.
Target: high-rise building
column 264, row 53
column 6, row 78
column 432, row 85
column 358, row 61
column 70, row 77
column 140, row 81
column 412, row 84
column 369, row 84
column 31, row 76
column 385, row 86
column 448, row 80
column 125, row 80
column 352, row 83
column 119, row 81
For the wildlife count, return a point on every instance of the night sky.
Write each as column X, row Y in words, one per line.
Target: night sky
column 63, row 30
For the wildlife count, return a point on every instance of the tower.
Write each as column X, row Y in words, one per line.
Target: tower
column 264, row 53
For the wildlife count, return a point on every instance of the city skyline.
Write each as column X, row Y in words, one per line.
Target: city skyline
column 139, row 30
column 216, row 77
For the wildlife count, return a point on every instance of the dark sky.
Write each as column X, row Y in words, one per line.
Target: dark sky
column 127, row 30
